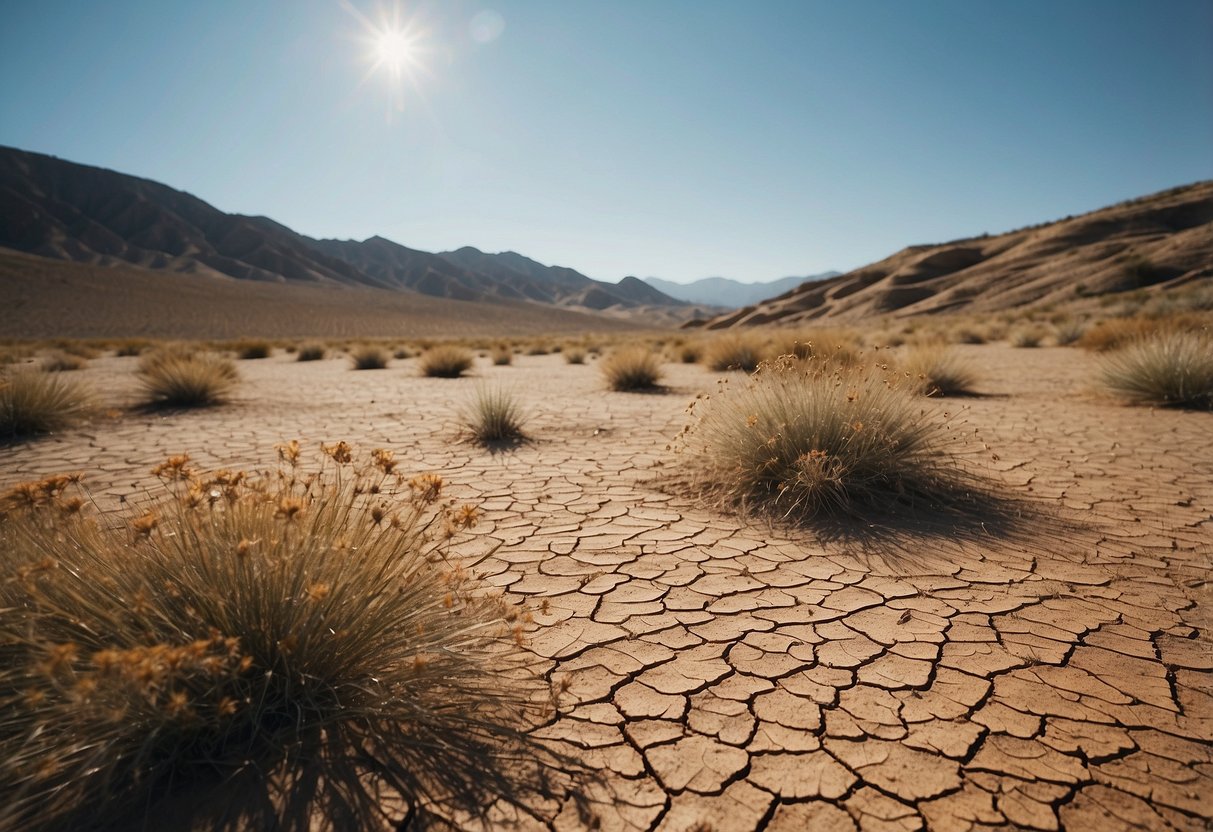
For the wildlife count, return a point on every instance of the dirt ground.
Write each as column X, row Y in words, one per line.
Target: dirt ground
column 725, row 675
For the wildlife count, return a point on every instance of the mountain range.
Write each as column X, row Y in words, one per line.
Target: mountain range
column 67, row 211
column 722, row 291
column 1164, row 239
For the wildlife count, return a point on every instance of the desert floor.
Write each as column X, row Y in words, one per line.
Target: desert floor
column 730, row 676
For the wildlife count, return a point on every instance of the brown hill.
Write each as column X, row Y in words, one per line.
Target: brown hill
column 1158, row 240
column 46, row 298
column 59, row 209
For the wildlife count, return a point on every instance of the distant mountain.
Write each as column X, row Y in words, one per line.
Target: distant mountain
column 1164, row 239
column 67, row 211
column 721, row 291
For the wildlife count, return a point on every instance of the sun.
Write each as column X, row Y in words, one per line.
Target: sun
column 394, row 50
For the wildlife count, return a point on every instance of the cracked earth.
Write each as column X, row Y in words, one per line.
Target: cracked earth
column 725, row 675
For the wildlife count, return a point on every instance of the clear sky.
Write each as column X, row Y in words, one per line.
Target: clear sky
column 750, row 139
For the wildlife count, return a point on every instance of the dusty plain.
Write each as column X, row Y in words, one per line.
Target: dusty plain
column 727, row 675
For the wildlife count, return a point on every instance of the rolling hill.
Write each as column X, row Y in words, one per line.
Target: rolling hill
column 1158, row 240
column 66, row 211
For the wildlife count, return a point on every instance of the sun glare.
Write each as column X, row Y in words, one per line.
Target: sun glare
column 393, row 50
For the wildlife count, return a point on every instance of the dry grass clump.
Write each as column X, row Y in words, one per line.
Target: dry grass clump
column 502, row 355
column 1114, row 333
column 311, row 352
column 33, row 401
column 494, row 416
column 689, row 353
column 402, row 353
column 284, row 651
column 935, row 369
column 1166, row 368
column 252, row 349
column 632, row 368
column 61, row 362
column 809, row 439
column 574, row 355
column 132, row 347
column 181, row 377
column 368, row 358
column 1027, row 337
column 971, row 335
column 1068, row 331
column 446, row 361
column 736, row 351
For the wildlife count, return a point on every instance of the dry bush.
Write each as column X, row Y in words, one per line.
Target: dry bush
column 1166, row 368
column 80, row 349
column 446, row 361
column 631, row 368
column 311, row 352
column 1068, row 331
column 282, row 651
column 1114, row 333
column 132, row 347
column 33, row 401
column 61, row 362
column 252, row 349
column 935, row 369
column 368, row 358
column 502, row 355
column 574, row 355
column 735, row 351
column 493, row 416
column 402, row 353
column 1027, row 337
column 808, row 439
column 181, row 377
column 971, row 335
column 689, row 353
column 538, row 348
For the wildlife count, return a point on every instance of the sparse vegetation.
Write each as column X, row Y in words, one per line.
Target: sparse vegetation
column 1027, row 337
column 735, row 351
column 368, row 358
column 632, row 368
column 493, row 416
column 1113, row 333
column 803, row 439
column 1166, row 368
column 61, row 362
column 180, row 377
column 446, row 361
column 33, row 401
column 1068, row 331
column 248, row 350
column 225, row 658
column 574, row 355
column 935, row 369
column 311, row 352
column 690, row 353
column 502, row 355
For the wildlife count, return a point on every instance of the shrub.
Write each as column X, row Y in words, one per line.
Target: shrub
column 33, row 401
column 131, row 347
column 446, row 361
column 971, row 335
column 1027, row 337
column 631, row 368
column 257, row 652
column 368, row 358
column 1167, row 368
column 179, row 377
column 804, row 439
column 1067, row 332
column 1114, row 333
column 538, row 348
column 934, row 369
column 502, row 355
column 253, row 349
column 574, row 355
column 60, row 362
column 402, row 353
column 690, row 353
column 494, row 415
column 734, row 352
column 311, row 352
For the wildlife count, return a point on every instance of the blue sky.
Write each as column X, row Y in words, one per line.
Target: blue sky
column 751, row 140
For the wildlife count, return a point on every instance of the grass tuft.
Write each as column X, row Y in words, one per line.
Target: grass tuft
column 253, row 349
column 736, row 351
column 180, row 377
column 1027, row 338
column 810, row 439
column 33, row 401
column 278, row 651
column 934, row 369
column 62, row 362
column 502, row 355
column 368, row 358
column 1168, row 369
column 632, row 368
column 494, row 416
column 574, row 355
column 446, row 361
column 311, row 352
